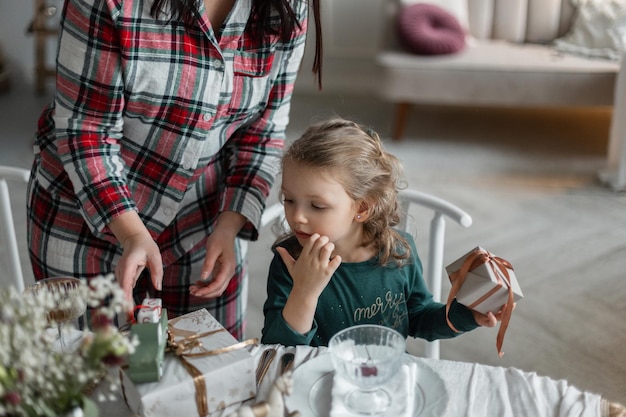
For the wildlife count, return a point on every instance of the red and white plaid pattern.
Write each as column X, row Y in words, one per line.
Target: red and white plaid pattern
column 172, row 122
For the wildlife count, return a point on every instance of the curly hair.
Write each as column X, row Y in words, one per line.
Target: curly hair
column 366, row 171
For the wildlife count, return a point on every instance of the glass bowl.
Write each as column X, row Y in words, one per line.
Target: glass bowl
column 68, row 299
column 367, row 356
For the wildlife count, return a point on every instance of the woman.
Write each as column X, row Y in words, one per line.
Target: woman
column 162, row 142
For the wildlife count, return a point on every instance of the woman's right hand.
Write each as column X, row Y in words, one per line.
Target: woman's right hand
column 140, row 252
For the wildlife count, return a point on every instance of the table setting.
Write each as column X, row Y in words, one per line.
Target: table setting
column 204, row 371
column 447, row 388
column 442, row 388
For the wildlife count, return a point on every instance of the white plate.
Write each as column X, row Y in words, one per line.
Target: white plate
column 313, row 381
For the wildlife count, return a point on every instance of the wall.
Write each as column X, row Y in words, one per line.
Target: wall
column 352, row 32
column 18, row 46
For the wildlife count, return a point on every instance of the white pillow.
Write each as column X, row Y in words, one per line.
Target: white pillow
column 599, row 30
column 457, row 8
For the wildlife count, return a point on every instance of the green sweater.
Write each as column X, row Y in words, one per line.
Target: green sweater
column 363, row 293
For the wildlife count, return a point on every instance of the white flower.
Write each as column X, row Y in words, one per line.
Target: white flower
column 34, row 375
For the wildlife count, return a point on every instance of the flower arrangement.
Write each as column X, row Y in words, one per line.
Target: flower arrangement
column 39, row 379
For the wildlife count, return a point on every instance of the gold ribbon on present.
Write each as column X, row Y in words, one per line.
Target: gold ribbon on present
column 183, row 348
column 500, row 268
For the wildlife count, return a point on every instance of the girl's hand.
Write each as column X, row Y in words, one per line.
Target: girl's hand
column 314, row 268
column 310, row 273
column 489, row 319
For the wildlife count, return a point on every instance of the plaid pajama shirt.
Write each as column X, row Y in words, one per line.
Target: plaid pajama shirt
column 175, row 123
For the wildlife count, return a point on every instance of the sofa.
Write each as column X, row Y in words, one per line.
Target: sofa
column 517, row 53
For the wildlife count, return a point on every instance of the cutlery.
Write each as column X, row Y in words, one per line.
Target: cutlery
column 267, row 357
column 286, row 362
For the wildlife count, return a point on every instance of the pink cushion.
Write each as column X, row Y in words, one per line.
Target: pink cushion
column 427, row 29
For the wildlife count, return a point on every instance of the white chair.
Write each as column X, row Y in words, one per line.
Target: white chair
column 7, row 228
column 433, row 266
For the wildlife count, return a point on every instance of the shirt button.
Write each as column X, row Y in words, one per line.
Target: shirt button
column 187, row 165
column 206, row 117
column 218, row 65
column 167, row 211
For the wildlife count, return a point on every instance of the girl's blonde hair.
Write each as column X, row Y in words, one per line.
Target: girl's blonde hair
column 369, row 174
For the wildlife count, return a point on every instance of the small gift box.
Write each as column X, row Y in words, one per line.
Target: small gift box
column 205, row 370
column 485, row 281
column 150, row 310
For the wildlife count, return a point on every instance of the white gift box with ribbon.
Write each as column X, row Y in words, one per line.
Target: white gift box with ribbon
column 486, row 286
column 208, row 370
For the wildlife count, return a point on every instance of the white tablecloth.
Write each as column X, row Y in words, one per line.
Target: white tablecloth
column 482, row 391
column 474, row 390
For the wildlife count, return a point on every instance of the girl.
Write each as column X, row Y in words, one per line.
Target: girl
column 343, row 262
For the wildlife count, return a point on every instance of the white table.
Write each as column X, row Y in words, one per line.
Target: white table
column 474, row 390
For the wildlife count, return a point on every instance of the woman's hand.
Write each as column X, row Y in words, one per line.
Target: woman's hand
column 220, row 262
column 140, row 252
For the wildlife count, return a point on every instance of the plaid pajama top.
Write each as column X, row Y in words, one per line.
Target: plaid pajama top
column 148, row 115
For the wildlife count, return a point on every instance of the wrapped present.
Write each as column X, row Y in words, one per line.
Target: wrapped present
column 485, row 283
column 205, row 370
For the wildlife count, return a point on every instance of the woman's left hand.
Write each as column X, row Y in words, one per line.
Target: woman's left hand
column 220, row 262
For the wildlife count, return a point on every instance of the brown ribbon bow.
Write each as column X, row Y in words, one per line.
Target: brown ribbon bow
column 500, row 268
column 183, row 349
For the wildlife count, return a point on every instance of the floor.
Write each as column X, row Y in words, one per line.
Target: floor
column 527, row 177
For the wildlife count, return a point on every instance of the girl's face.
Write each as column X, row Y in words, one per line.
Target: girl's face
column 316, row 203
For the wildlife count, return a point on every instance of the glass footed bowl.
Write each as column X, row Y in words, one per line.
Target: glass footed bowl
column 68, row 294
column 367, row 356
column 66, row 298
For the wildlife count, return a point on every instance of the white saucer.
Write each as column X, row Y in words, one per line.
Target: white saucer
column 313, row 381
